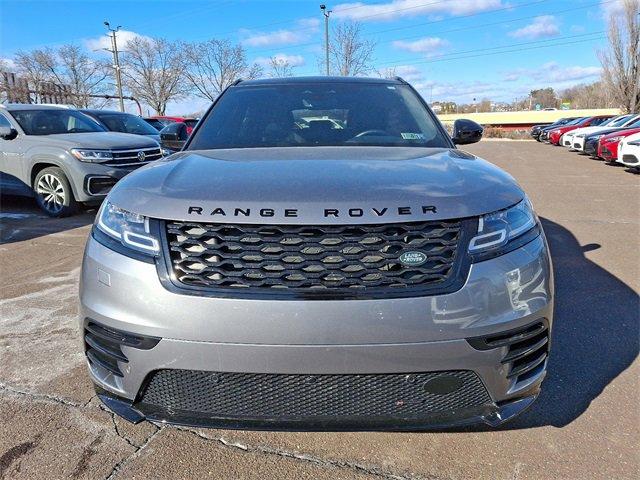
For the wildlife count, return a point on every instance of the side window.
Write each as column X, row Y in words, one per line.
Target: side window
column 4, row 122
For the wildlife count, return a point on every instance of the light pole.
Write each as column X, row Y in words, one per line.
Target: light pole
column 326, row 14
column 116, row 61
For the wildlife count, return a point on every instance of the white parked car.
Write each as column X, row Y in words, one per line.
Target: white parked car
column 577, row 141
column 567, row 138
column 629, row 151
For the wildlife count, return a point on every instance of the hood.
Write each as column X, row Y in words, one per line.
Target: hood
column 625, row 132
column 317, row 185
column 99, row 140
column 589, row 130
column 603, row 131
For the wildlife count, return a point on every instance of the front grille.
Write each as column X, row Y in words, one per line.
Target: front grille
column 129, row 158
column 293, row 259
column 630, row 159
column 253, row 395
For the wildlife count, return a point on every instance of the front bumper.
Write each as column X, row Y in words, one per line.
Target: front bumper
column 406, row 336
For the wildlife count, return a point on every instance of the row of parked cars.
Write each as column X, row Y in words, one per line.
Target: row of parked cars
column 614, row 139
column 66, row 157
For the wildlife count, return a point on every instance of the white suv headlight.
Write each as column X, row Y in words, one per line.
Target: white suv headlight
column 130, row 229
column 91, row 156
column 498, row 229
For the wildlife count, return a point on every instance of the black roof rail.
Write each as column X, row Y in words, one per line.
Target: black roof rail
column 236, row 82
column 401, row 80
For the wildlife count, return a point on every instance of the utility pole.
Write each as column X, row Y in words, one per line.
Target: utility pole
column 116, row 61
column 326, row 14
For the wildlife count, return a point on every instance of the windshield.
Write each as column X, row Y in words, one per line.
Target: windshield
column 328, row 114
column 125, row 123
column 191, row 123
column 577, row 121
column 53, row 122
column 620, row 121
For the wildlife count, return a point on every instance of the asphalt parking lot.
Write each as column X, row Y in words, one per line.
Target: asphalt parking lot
column 586, row 423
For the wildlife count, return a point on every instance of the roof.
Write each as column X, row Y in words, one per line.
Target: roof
column 97, row 111
column 319, row 79
column 35, row 106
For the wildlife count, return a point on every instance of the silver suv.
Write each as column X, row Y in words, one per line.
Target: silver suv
column 63, row 157
column 319, row 256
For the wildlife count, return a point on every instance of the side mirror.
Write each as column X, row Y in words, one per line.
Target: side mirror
column 174, row 136
column 8, row 133
column 466, row 131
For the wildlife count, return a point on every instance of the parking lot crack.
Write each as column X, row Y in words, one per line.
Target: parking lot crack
column 129, row 458
column 305, row 457
column 38, row 396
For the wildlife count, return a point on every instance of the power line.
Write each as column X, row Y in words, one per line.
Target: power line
column 503, row 46
column 442, row 59
column 287, row 47
column 471, row 27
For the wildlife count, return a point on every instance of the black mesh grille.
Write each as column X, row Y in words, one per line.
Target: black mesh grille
column 313, row 259
column 278, row 395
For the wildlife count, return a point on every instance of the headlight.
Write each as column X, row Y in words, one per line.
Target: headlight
column 165, row 152
column 615, row 139
column 130, row 229
column 92, row 156
column 499, row 231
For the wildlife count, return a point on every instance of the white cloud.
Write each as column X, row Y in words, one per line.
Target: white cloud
column 395, row 9
column 302, row 32
column 610, row 7
column 8, row 62
column 292, row 60
column 428, row 46
column 543, row 26
column 553, row 72
column 104, row 41
column 408, row 72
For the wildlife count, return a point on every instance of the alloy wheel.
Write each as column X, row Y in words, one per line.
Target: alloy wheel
column 52, row 192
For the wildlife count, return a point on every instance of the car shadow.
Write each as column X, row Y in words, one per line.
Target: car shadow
column 21, row 219
column 594, row 339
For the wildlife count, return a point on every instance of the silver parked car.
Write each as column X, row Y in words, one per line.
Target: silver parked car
column 63, row 157
column 319, row 256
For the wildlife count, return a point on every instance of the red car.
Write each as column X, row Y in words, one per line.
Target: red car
column 166, row 120
column 608, row 145
column 556, row 133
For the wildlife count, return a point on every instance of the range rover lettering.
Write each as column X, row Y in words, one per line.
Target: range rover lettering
column 319, row 255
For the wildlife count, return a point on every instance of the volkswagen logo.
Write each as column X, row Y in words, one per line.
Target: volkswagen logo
column 413, row 259
column 141, row 156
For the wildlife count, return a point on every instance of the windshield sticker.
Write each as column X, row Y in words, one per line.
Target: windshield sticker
column 413, row 136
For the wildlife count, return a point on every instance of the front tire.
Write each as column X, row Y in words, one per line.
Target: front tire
column 53, row 193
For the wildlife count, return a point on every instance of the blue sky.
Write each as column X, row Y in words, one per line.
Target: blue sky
column 449, row 49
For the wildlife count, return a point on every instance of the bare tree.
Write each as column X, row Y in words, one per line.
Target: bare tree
column 73, row 68
column 593, row 95
column 214, row 65
column 67, row 69
column 34, row 66
column 153, row 71
column 349, row 54
column 280, row 67
column 621, row 62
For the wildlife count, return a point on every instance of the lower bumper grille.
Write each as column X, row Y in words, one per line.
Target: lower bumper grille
column 527, row 349
column 630, row 159
column 251, row 395
column 103, row 346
